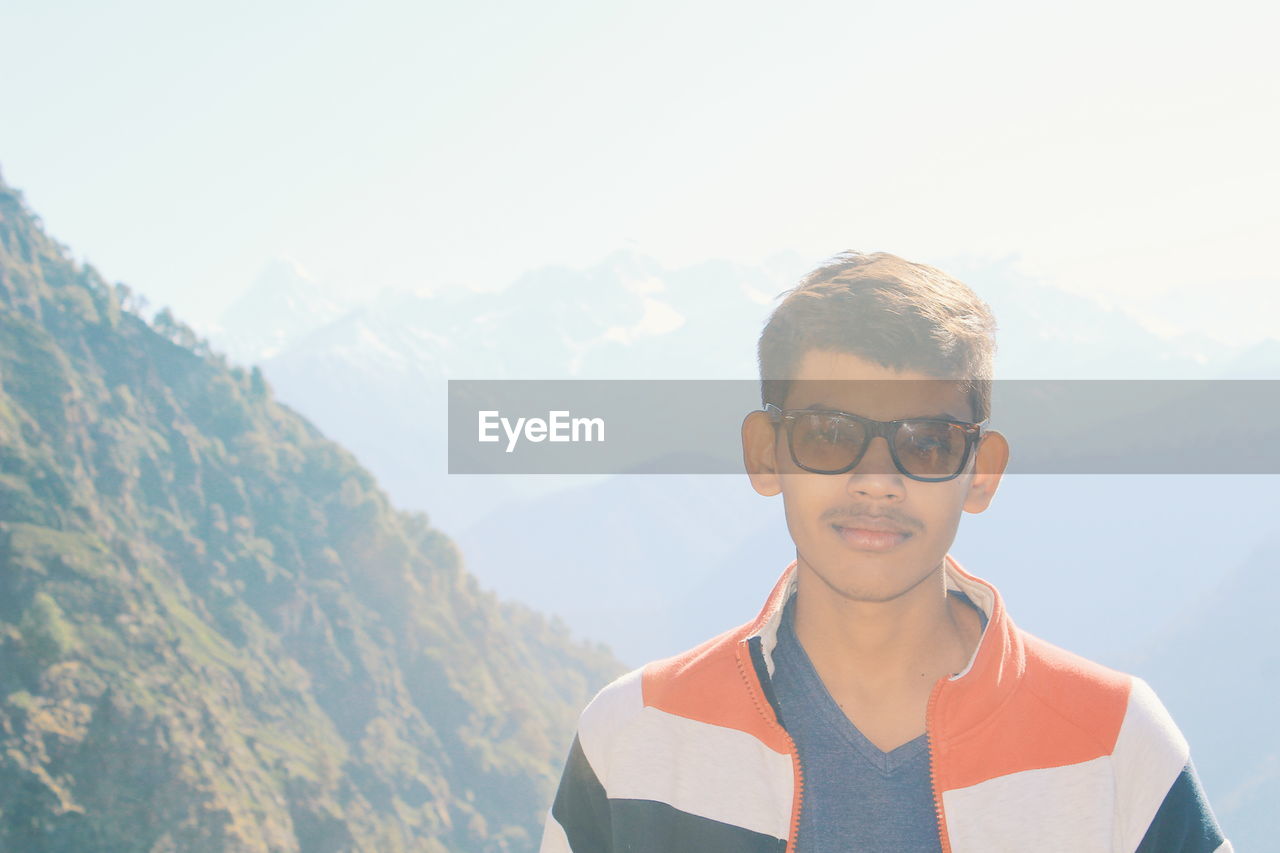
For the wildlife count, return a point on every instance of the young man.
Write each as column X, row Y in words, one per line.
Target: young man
column 882, row 700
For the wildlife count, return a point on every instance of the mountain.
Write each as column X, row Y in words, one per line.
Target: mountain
column 281, row 306
column 216, row 631
column 624, row 316
column 376, row 378
column 1046, row 332
column 1215, row 666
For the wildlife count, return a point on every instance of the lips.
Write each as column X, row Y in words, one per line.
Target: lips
column 871, row 533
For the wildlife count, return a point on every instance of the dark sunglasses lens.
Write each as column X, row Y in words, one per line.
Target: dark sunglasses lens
column 825, row 442
column 930, row 448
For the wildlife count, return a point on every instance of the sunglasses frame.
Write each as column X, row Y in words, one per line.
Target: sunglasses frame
column 873, row 428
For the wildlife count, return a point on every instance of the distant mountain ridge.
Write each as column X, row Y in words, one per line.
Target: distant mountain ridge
column 215, row 631
column 553, row 322
column 628, row 317
column 284, row 304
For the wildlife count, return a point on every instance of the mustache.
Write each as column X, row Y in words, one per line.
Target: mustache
column 847, row 517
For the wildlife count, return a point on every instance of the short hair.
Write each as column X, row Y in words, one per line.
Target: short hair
column 881, row 308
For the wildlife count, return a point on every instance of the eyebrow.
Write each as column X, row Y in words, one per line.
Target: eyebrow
column 941, row 416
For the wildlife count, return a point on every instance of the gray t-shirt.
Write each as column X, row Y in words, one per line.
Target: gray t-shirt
column 856, row 797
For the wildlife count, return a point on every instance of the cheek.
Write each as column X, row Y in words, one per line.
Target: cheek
column 791, row 502
column 805, row 498
column 944, row 516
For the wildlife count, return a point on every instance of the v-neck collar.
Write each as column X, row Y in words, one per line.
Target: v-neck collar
column 816, row 691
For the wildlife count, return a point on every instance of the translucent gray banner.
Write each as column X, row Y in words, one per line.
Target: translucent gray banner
column 694, row 426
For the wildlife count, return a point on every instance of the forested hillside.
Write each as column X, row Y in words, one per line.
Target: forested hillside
column 215, row 632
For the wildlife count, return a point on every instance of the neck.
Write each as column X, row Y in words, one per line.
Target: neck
column 904, row 644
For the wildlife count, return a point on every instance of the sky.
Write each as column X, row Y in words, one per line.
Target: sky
column 1121, row 150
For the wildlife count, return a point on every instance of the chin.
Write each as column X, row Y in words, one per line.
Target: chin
column 872, row 585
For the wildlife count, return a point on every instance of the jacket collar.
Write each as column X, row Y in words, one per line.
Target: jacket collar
column 968, row 697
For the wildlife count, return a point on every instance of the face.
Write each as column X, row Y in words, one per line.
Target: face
column 824, row 511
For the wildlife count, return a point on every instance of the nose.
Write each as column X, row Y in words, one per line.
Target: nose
column 875, row 474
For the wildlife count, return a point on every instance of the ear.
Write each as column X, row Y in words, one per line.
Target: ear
column 759, row 453
column 988, row 468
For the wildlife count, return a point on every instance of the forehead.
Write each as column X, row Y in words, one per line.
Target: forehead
column 826, row 379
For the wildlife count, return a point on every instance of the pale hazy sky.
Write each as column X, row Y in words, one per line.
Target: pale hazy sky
column 1125, row 150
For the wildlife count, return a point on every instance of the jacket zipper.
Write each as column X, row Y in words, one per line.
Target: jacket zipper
column 796, row 801
column 933, row 760
column 797, row 771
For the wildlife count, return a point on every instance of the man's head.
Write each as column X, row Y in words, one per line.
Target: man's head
column 841, row 340
column 886, row 310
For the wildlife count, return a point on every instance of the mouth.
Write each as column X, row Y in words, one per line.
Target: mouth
column 871, row 536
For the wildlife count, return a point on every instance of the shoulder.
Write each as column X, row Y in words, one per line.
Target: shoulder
column 614, row 704
column 676, row 749
column 1073, row 744
column 1148, row 753
column 700, row 683
column 676, row 706
column 1083, row 690
column 1088, row 694
column 678, row 681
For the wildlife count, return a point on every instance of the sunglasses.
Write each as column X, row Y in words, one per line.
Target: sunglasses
column 930, row 450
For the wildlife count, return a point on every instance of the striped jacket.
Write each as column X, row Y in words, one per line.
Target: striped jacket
column 1032, row 748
